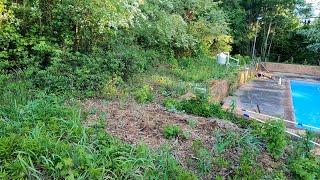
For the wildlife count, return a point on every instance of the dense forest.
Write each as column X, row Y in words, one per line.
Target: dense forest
column 47, row 39
column 57, row 53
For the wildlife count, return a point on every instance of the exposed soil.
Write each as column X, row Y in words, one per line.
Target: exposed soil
column 134, row 124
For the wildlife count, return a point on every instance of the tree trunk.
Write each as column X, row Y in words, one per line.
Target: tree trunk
column 266, row 42
column 269, row 49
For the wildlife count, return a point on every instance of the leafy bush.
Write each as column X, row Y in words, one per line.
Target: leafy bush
column 275, row 136
column 200, row 105
column 303, row 163
column 172, row 131
column 171, row 104
column 306, row 168
column 144, row 94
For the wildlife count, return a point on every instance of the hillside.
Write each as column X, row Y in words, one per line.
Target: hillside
column 119, row 89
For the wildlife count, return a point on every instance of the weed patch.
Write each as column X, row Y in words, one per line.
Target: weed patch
column 172, row 131
column 43, row 138
column 276, row 138
column 144, row 94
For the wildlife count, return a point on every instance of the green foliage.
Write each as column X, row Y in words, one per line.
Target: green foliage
column 204, row 158
column 224, row 141
column 200, row 69
column 229, row 139
column 184, row 27
column 144, row 94
column 244, row 60
column 204, row 161
column 275, row 136
column 192, row 123
column 169, row 167
column 43, row 138
column 171, row 104
column 201, row 106
column 172, row 131
column 303, row 163
column 77, row 47
column 248, row 167
column 306, row 168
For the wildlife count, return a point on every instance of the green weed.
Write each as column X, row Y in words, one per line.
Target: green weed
column 172, row 131
column 221, row 162
column 191, row 123
column 144, row 94
column 275, row 136
column 303, row 163
column 43, row 138
column 248, row 167
column 197, row 145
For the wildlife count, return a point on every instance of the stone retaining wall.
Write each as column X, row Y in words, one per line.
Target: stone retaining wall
column 218, row 90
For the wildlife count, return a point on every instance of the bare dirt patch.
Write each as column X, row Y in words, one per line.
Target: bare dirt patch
column 136, row 124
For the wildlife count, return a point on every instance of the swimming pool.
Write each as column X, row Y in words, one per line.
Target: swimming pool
column 306, row 102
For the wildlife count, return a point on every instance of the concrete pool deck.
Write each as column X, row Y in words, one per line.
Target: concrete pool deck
column 273, row 99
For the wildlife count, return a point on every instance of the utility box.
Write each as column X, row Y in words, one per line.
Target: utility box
column 221, row 58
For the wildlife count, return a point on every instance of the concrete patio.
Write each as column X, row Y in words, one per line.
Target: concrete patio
column 271, row 98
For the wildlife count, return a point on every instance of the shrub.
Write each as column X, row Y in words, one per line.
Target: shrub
column 171, row 104
column 200, row 105
column 144, row 94
column 306, row 168
column 275, row 136
column 172, row 131
column 244, row 60
column 303, row 163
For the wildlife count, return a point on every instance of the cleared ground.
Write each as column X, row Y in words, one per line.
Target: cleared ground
column 136, row 124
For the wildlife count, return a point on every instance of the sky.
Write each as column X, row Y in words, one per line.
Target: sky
column 316, row 6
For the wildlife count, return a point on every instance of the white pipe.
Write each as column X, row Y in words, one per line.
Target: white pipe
column 293, row 134
column 300, row 124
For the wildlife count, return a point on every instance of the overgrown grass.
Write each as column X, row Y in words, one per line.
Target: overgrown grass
column 43, row 138
column 183, row 75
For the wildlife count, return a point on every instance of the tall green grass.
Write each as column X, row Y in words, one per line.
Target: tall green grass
column 43, row 138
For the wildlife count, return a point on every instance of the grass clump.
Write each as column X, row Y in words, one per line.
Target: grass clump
column 172, row 131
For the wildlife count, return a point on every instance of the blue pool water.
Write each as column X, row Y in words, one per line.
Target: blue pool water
column 306, row 102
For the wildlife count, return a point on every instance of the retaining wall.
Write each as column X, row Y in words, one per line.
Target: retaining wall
column 218, row 90
column 292, row 68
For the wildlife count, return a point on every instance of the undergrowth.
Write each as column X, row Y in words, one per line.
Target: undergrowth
column 270, row 137
column 43, row 138
column 172, row 131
